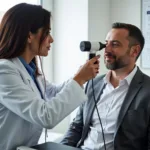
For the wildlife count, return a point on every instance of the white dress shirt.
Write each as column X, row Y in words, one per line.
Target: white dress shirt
column 108, row 106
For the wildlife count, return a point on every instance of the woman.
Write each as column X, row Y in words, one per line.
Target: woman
column 27, row 102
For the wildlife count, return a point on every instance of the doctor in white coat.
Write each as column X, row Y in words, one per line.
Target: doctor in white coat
column 28, row 103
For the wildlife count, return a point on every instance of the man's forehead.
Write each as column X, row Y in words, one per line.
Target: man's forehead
column 117, row 34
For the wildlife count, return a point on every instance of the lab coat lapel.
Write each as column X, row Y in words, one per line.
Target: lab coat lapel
column 25, row 75
column 42, row 85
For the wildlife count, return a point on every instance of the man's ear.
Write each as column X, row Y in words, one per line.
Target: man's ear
column 135, row 50
column 30, row 37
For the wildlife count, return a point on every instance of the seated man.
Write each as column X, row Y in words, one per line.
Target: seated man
column 123, row 99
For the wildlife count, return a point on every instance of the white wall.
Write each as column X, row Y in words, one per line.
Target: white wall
column 126, row 11
column 99, row 24
column 70, row 27
column 48, row 61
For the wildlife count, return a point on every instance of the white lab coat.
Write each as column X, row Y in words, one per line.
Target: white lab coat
column 23, row 113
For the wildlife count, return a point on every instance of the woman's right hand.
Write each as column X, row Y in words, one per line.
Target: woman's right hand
column 88, row 71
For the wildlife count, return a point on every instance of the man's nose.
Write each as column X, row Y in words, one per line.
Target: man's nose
column 108, row 48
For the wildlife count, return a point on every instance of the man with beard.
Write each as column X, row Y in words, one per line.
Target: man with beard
column 122, row 97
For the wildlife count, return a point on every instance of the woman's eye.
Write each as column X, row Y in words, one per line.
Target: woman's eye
column 48, row 32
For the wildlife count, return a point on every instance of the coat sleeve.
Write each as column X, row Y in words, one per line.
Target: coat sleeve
column 20, row 99
column 74, row 133
column 53, row 89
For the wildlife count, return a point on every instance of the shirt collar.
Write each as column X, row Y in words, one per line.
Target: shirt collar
column 127, row 78
column 131, row 75
column 31, row 68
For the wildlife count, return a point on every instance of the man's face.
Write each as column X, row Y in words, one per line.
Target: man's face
column 117, row 52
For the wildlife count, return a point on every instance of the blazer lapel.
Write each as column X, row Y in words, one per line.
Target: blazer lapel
column 132, row 91
column 98, row 89
column 90, row 105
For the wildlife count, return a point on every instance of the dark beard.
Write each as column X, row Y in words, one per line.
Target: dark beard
column 112, row 66
column 116, row 65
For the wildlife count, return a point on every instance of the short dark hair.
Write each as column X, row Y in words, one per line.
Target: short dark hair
column 135, row 34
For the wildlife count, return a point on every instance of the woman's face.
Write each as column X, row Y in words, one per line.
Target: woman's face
column 38, row 48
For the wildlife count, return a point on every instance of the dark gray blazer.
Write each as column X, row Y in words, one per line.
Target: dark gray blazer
column 133, row 123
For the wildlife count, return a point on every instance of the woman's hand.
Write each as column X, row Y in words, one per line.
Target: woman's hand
column 88, row 71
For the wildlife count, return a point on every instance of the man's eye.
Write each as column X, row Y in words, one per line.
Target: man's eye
column 115, row 44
